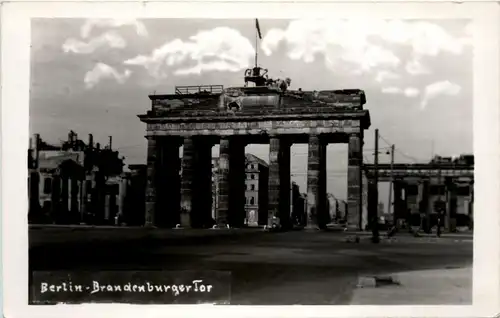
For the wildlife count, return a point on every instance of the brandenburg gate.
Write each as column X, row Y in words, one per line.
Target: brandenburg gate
column 179, row 190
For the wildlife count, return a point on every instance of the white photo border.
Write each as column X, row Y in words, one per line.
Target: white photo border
column 15, row 50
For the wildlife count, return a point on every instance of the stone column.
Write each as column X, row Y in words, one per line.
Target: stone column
column 99, row 201
column 372, row 202
column 337, row 210
column 420, row 195
column 451, row 205
column 323, row 204
column 411, row 198
column 75, row 202
column 151, row 182
column 64, row 196
column 237, row 177
column 83, row 191
column 471, row 205
column 279, row 181
column 404, row 201
column 316, row 175
column 354, row 198
column 34, row 186
column 398, row 212
column 222, row 212
column 365, row 206
column 274, row 179
column 86, row 196
column 107, row 209
column 202, row 184
column 122, row 193
column 424, row 206
column 285, row 182
column 55, row 198
column 168, row 189
column 187, row 181
column 70, row 196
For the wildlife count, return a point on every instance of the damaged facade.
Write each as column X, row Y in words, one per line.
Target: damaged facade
column 74, row 183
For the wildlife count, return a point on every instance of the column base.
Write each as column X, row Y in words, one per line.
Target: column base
column 312, row 228
column 185, row 220
column 274, row 223
column 352, row 228
column 222, row 227
column 452, row 227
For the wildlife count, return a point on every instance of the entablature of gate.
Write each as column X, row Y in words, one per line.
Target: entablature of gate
column 348, row 123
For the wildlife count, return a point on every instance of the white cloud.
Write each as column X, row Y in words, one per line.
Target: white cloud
column 271, row 40
column 392, row 90
column 370, row 58
column 430, row 39
column 439, row 88
column 90, row 24
column 415, row 67
column 430, row 92
column 110, row 39
column 102, row 71
column 408, row 92
column 212, row 66
column 411, row 92
column 351, row 41
column 219, row 49
column 386, row 75
column 341, row 42
column 425, row 38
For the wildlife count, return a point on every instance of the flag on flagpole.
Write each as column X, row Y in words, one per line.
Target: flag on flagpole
column 258, row 28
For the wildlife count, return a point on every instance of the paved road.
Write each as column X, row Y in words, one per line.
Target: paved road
column 296, row 267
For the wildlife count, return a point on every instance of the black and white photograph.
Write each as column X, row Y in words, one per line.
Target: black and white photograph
column 254, row 161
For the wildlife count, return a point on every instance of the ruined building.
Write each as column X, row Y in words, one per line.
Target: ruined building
column 74, row 182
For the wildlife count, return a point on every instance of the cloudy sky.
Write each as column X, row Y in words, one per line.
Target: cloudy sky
column 93, row 76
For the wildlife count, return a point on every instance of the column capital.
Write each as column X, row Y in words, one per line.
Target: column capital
column 224, row 142
column 169, row 140
column 397, row 184
column 205, row 141
column 397, row 180
column 314, row 139
column 188, row 140
column 238, row 139
column 355, row 135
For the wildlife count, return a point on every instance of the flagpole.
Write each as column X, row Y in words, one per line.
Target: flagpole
column 256, row 45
